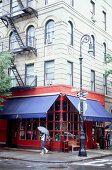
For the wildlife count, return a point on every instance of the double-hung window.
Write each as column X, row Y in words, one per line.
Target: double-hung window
column 70, row 32
column 49, row 71
column 92, row 80
column 13, row 44
column 104, row 51
column 104, row 84
column 104, row 19
column 31, row 36
column 46, row 2
column 92, row 9
column 72, row 3
column 93, row 43
column 14, row 5
column 30, row 74
column 49, row 31
column 13, row 79
column 69, row 73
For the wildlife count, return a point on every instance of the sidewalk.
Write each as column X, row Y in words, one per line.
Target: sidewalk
column 51, row 157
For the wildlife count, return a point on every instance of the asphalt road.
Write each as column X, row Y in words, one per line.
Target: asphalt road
column 95, row 164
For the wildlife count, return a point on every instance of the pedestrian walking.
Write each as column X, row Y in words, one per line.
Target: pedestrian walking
column 43, row 139
column 108, row 140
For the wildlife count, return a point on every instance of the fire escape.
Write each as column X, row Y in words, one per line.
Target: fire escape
column 8, row 19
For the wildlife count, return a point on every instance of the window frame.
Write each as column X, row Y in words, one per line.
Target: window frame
column 104, row 20
column 104, row 51
column 104, row 85
column 70, row 33
column 70, row 74
column 29, row 38
column 49, row 31
column 93, row 80
column 27, row 76
column 93, row 43
column 93, row 8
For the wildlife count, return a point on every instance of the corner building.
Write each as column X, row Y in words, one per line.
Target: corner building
column 44, row 36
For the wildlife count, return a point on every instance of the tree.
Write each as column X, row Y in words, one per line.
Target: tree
column 5, row 80
column 108, row 60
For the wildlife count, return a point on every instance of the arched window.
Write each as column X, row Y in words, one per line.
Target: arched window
column 13, row 44
column 70, row 32
column 31, row 36
column 93, row 43
column 104, row 51
column 49, row 31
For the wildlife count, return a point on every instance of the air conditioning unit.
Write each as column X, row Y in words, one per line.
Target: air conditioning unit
column 93, row 18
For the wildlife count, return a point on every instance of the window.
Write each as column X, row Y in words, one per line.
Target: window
column 13, row 79
column 30, row 74
column 70, row 32
column 69, row 73
column 104, row 20
column 104, row 84
column 1, row 6
column 46, row 2
column 92, row 9
column 13, row 42
column 49, row 71
column 1, row 45
column 31, row 36
column 92, row 80
column 104, row 51
column 49, row 31
column 72, row 3
column 93, row 43
column 14, row 5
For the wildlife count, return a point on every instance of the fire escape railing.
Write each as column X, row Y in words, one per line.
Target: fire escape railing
column 8, row 19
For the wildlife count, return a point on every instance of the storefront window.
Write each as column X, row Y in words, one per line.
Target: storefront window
column 57, row 126
column 57, row 116
column 22, row 134
column 56, row 136
column 64, row 105
column 34, row 127
column 64, row 126
column 70, row 107
column 64, row 116
column 28, row 135
column 50, row 125
column 42, row 124
column 70, row 116
column 50, row 117
column 28, row 125
column 34, row 135
column 22, row 125
column 57, row 105
column 75, row 117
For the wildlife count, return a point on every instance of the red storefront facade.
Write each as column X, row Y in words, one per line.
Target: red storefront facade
column 62, row 120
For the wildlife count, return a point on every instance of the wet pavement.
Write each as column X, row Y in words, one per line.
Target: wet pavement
column 51, row 157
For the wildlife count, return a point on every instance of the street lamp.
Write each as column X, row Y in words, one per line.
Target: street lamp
column 85, row 39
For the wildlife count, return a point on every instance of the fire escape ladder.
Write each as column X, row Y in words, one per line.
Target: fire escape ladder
column 16, row 74
column 13, row 28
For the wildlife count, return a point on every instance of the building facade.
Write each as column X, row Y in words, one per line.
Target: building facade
column 45, row 39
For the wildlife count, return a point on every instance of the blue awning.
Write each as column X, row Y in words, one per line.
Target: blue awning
column 27, row 107
column 95, row 111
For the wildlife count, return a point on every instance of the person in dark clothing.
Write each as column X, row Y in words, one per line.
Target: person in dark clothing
column 108, row 140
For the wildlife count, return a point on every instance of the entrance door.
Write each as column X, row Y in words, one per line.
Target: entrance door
column 88, row 134
column 9, row 133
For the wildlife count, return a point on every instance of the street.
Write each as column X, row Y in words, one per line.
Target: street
column 93, row 164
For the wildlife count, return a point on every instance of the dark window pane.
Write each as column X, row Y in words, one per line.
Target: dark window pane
column 75, row 126
column 22, row 125
column 75, row 117
column 43, row 119
column 57, row 136
column 57, row 105
column 49, row 116
column 28, row 125
column 64, row 105
column 57, row 126
column 50, row 125
column 34, row 125
column 22, row 134
column 35, row 119
column 43, row 124
column 70, row 107
column 70, row 126
column 64, row 117
column 57, row 116
column 28, row 135
column 51, row 108
column 70, row 117
column 34, row 135
column 64, row 126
